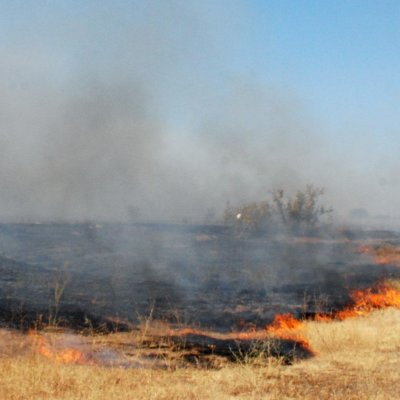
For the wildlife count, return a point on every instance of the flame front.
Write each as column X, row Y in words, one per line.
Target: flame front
column 383, row 255
column 61, row 356
column 286, row 326
column 367, row 300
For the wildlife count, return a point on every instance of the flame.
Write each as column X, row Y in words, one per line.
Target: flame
column 368, row 300
column 385, row 254
column 286, row 326
column 251, row 334
column 61, row 355
column 285, row 322
column 382, row 295
column 364, row 249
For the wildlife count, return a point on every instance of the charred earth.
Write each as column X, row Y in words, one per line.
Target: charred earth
column 110, row 276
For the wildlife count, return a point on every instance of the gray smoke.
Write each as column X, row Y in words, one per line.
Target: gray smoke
column 111, row 111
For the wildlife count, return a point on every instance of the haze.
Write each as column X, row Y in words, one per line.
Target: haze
column 166, row 110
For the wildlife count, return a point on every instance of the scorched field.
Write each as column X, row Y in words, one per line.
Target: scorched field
column 179, row 311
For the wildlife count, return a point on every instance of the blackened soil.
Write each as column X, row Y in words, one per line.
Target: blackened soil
column 87, row 275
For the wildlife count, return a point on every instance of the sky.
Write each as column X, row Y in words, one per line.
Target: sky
column 168, row 109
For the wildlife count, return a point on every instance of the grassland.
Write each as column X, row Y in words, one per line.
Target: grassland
column 357, row 358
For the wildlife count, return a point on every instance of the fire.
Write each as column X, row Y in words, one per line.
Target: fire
column 368, row 300
column 284, row 322
column 364, row 249
column 385, row 254
column 382, row 295
column 251, row 334
column 58, row 355
column 286, row 326
column 365, row 301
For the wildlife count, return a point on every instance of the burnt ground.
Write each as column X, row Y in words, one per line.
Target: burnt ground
column 88, row 275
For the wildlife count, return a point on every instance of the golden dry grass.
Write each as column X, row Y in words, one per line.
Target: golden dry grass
column 357, row 359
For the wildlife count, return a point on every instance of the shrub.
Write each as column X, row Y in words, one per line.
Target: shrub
column 252, row 218
column 298, row 214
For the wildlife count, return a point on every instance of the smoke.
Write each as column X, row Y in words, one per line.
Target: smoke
column 110, row 111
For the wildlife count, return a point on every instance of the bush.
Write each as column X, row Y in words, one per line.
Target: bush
column 252, row 218
column 298, row 214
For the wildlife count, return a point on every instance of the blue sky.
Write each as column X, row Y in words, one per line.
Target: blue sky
column 341, row 56
column 329, row 68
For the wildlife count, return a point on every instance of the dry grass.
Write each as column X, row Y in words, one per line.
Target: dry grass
column 357, row 359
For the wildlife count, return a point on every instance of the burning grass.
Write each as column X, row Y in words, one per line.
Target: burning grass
column 354, row 358
column 68, row 350
column 357, row 358
column 382, row 254
column 285, row 339
column 382, row 295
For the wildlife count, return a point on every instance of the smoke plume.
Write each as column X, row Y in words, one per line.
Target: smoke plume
column 116, row 111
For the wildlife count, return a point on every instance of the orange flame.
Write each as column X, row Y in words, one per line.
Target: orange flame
column 368, row 300
column 365, row 301
column 286, row 326
column 364, row 249
column 61, row 355
column 383, row 255
column 252, row 334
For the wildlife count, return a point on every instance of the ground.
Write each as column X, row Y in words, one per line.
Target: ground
column 357, row 358
column 65, row 289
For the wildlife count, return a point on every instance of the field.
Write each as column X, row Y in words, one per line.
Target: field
column 115, row 274
column 192, row 312
column 357, row 359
